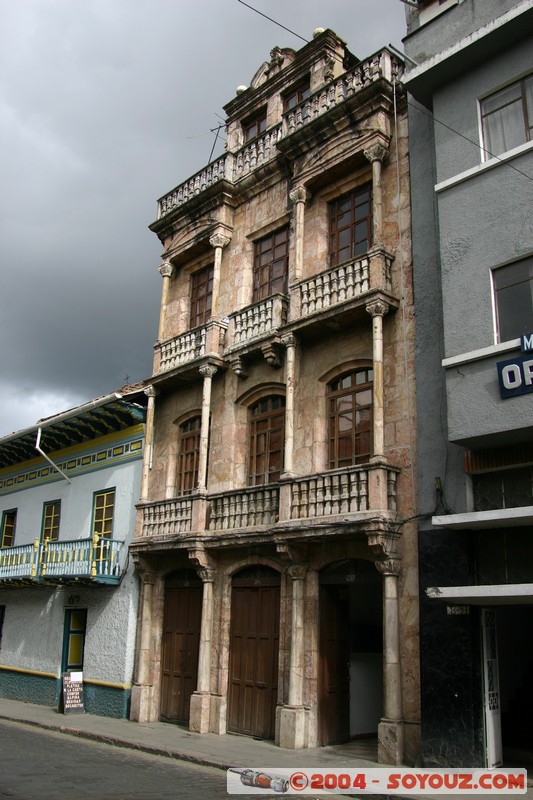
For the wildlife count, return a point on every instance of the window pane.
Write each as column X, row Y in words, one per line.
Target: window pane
column 505, row 129
column 513, row 286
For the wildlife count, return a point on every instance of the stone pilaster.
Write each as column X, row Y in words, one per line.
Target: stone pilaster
column 391, row 727
column 166, row 271
column 151, row 393
column 200, row 709
column 299, row 196
column 207, row 371
column 218, row 240
column 142, row 689
column 376, row 154
column 293, row 718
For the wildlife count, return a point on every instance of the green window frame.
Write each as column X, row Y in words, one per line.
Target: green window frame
column 9, row 525
column 51, row 519
column 74, row 639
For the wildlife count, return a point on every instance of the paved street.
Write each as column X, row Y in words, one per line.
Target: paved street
column 38, row 765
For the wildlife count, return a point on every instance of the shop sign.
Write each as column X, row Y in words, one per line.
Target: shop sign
column 526, row 342
column 515, row 376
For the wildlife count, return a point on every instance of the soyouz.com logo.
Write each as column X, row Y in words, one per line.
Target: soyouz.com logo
column 243, row 780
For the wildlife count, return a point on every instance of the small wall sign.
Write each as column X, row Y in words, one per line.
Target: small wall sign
column 71, row 701
column 526, row 342
column 515, row 376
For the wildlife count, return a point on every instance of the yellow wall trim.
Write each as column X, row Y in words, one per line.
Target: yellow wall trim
column 30, row 672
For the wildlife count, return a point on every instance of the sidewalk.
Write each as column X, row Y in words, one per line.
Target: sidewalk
column 207, row 749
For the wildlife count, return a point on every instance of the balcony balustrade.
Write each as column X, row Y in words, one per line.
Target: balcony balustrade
column 247, row 508
column 191, row 345
column 234, row 166
column 258, row 320
column 167, row 517
column 96, row 559
column 342, row 283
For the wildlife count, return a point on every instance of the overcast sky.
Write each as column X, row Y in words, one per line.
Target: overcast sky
column 105, row 105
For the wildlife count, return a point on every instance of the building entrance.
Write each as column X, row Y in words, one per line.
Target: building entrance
column 514, row 624
column 180, row 644
column 254, row 649
column 351, row 651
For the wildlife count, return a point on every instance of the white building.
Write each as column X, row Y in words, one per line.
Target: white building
column 68, row 595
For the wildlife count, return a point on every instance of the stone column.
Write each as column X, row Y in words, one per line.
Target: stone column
column 290, row 342
column 293, row 720
column 377, row 311
column 141, row 692
column 201, row 699
column 218, row 241
column 299, row 196
column 172, row 465
column 208, row 371
column 376, row 154
column 150, row 392
column 167, row 271
column 391, row 727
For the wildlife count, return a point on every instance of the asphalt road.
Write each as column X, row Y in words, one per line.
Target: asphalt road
column 43, row 765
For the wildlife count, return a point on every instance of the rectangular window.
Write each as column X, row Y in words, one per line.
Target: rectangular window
column 74, row 638
column 201, row 296
column 51, row 515
column 350, row 225
column 9, row 524
column 103, row 511
column 255, row 126
column 507, row 117
column 511, row 488
column 267, row 440
column 188, row 455
column 271, row 263
column 513, row 299
column 296, row 95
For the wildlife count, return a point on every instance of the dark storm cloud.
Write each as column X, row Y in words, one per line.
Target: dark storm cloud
column 104, row 106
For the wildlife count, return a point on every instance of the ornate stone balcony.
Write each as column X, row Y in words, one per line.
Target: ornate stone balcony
column 342, row 284
column 167, row 517
column 232, row 167
column 95, row 560
column 246, row 508
column 189, row 346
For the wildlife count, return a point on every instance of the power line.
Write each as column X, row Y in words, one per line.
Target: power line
column 274, row 21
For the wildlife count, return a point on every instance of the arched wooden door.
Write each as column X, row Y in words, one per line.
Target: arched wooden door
column 180, row 643
column 254, row 651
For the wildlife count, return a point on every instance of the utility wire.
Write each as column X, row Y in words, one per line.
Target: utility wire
column 274, row 21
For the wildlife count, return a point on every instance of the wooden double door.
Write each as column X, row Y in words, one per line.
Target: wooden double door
column 254, row 652
column 180, row 645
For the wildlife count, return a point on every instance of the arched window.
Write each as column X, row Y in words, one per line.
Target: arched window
column 188, row 454
column 266, row 440
column 350, row 418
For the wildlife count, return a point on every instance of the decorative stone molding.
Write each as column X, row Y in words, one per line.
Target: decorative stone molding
column 289, row 340
column 202, row 561
column 295, row 553
column 378, row 308
column 150, row 391
column 219, row 240
column 238, row 366
column 388, row 566
column 208, row 370
column 376, row 152
column 166, row 269
column 272, row 353
column 207, row 574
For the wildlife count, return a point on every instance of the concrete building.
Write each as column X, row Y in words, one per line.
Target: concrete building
column 68, row 593
column 470, row 125
column 274, row 544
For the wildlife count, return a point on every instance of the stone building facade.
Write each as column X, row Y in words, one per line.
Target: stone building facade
column 470, row 81
column 275, row 541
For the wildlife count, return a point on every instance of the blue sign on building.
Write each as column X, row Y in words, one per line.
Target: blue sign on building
column 515, row 376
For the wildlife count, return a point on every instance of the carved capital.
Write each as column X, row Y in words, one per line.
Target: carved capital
column 297, row 571
column 378, row 308
column 208, row 370
column 207, row 574
column 299, row 195
column 166, row 269
column 219, row 240
column 388, row 566
column 289, row 340
column 376, row 152
column 150, row 391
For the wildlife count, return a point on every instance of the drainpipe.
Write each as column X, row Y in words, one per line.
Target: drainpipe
column 38, row 448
